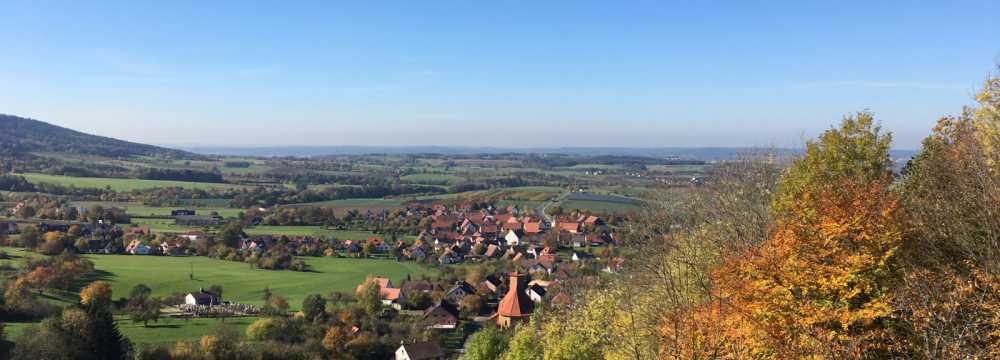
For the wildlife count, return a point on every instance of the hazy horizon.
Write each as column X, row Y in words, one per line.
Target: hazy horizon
column 554, row 74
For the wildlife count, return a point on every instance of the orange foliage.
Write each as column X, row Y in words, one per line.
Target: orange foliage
column 41, row 277
column 818, row 287
column 97, row 293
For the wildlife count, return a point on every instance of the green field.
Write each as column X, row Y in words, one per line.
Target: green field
column 599, row 206
column 314, row 231
column 432, row 179
column 162, row 225
column 137, row 209
column 165, row 332
column 240, row 283
column 167, row 275
column 361, row 205
column 18, row 256
column 120, row 184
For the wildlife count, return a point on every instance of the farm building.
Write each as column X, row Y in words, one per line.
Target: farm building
column 202, row 298
column 8, row 227
column 420, row 351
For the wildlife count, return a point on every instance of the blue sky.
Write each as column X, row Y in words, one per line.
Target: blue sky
column 504, row 73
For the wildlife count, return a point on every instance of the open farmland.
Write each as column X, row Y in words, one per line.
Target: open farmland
column 601, row 207
column 318, row 231
column 138, row 209
column 600, row 203
column 166, row 331
column 120, row 184
column 241, row 283
column 361, row 205
column 432, row 179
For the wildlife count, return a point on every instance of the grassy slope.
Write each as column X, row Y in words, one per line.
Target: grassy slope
column 119, row 184
column 166, row 275
column 432, row 179
column 599, row 206
column 137, row 209
column 240, row 283
column 165, row 332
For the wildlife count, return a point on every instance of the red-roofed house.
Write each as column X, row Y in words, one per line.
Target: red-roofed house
column 571, row 227
column 390, row 296
column 532, row 227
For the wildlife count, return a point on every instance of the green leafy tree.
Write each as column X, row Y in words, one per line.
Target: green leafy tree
column 314, row 307
column 858, row 150
column 524, row 344
column 368, row 297
column 231, row 233
column 487, row 344
column 141, row 307
column 29, row 238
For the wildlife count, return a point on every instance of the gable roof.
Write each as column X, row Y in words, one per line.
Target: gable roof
column 569, row 226
column 423, row 350
column 442, row 308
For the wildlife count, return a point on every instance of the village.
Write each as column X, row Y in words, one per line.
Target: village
column 509, row 260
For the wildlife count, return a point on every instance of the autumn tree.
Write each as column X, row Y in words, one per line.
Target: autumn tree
column 819, row 287
column 949, row 302
column 107, row 341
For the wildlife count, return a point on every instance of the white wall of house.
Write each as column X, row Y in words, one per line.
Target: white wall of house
column 401, row 354
column 512, row 238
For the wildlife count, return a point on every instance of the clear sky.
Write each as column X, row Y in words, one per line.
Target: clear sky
column 497, row 73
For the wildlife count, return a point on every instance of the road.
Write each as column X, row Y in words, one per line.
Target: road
column 540, row 211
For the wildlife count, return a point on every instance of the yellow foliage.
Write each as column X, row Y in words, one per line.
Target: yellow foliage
column 96, row 292
column 819, row 287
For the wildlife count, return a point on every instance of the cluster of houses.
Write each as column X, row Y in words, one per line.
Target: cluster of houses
column 512, row 298
column 460, row 236
column 509, row 297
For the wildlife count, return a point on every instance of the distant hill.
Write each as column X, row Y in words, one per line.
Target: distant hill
column 27, row 135
column 699, row 153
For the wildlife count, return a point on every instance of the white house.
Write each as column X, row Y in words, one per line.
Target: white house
column 136, row 247
column 512, row 238
column 420, row 351
column 202, row 298
column 535, row 293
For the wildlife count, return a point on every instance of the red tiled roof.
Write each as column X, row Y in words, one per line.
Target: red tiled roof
column 569, row 226
column 516, row 303
column 389, row 294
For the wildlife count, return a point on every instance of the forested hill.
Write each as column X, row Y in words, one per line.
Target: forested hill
column 28, row 135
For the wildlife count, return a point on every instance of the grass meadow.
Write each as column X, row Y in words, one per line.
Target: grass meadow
column 119, row 184
column 240, row 283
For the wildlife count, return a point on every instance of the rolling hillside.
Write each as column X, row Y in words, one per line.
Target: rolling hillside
column 22, row 135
